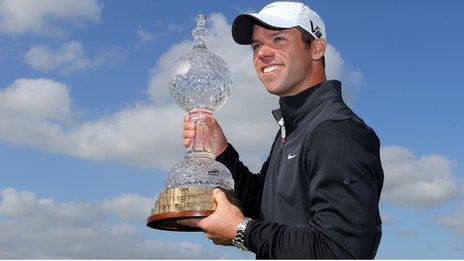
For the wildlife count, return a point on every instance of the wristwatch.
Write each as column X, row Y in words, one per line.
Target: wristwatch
column 239, row 241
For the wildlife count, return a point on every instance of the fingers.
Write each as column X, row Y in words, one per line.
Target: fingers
column 221, row 226
column 220, row 196
column 188, row 130
column 189, row 125
column 187, row 118
column 210, row 121
column 188, row 134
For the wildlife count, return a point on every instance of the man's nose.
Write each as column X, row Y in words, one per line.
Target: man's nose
column 265, row 53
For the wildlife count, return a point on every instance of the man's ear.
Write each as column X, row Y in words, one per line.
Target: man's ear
column 319, row 46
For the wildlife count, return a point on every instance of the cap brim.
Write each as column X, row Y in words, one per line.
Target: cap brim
column 242, row 27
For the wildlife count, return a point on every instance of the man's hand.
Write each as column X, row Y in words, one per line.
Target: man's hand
column 221, row 226
column 217, row 138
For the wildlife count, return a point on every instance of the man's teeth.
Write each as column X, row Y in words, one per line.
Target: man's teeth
column 271, row 68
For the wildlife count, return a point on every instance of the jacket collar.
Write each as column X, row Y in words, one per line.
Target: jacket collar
column 294, row 108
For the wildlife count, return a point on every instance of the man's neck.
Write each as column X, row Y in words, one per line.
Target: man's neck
column 314, row 80
column 317, row 75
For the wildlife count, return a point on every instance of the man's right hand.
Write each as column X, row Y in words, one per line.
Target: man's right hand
column 217, row 138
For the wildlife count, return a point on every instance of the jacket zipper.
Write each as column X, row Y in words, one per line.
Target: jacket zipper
column 283, row 140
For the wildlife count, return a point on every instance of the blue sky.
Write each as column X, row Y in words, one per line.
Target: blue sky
column 88, row 130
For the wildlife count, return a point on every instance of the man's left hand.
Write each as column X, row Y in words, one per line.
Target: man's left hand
column 221, row 226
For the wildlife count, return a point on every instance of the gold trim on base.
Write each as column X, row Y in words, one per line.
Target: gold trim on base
column 175, row 204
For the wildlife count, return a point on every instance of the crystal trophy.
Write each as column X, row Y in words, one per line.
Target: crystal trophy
column 200, row 84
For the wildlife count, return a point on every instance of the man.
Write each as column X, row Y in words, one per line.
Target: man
column 317, row 194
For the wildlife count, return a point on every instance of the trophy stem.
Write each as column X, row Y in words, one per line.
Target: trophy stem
column 201, row 142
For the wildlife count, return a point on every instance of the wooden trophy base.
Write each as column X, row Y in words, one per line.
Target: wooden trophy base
column 170, row 220
column 175, row 204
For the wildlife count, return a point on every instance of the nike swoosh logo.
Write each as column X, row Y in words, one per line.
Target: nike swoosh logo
column 290, row 156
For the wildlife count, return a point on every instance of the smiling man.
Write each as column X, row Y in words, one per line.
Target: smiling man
column 317, row 193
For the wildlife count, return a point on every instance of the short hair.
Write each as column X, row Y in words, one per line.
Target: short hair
column 307, row 40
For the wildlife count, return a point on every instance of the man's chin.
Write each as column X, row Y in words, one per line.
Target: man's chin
column 270, row 88
column 274, row 90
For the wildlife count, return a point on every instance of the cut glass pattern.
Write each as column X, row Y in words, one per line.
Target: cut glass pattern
column 201, row 78
column 200, row 171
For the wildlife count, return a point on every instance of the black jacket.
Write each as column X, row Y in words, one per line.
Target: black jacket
column 317, row 194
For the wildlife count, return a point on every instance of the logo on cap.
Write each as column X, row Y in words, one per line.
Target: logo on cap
column 316, row 31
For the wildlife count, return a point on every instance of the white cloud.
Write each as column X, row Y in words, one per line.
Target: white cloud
column 47, row 229
column 337, row 68
column 31, row 112
column 128, row 206
column 36, row 113
column 46, row 17
column 150, row 135
column 453, row 221
column 70, row 57
column 143, row 37
column 138, row 135
column 24, row 205
column 415, row 181
column 38, row 98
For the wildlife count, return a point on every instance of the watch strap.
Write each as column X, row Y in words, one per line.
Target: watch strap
column 240, row 241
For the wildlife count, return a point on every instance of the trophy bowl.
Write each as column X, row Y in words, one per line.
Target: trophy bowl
column 200, row 84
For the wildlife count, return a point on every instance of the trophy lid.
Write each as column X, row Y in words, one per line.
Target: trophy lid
column 201, row 79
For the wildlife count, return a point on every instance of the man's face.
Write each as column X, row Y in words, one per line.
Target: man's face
column 282, row 60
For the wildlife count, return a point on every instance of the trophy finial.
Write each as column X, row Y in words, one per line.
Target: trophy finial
column 200, row 32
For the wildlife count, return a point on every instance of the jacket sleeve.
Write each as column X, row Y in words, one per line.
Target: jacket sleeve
column 248, row 186
column 345, row 179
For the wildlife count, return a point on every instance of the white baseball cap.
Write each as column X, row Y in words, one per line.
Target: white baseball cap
column 278, row 15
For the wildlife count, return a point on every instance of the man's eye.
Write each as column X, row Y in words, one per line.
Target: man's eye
column 255, row 47
column 278, row 39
